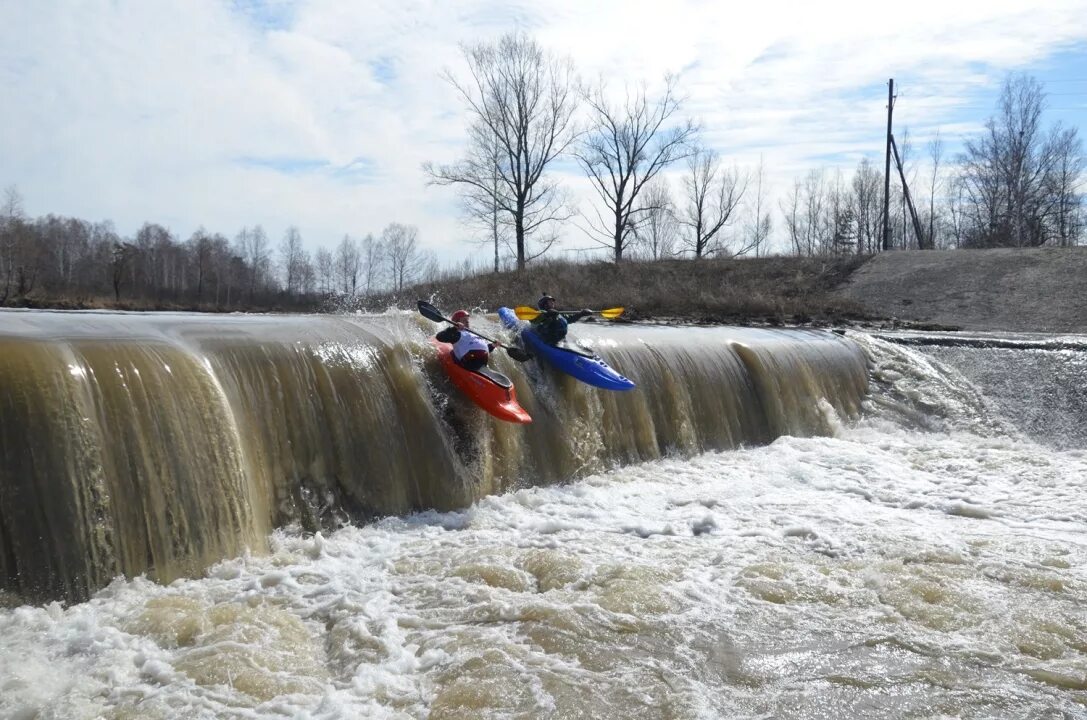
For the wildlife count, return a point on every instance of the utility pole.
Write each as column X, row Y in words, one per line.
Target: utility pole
column 921, row 243
column 887, row 169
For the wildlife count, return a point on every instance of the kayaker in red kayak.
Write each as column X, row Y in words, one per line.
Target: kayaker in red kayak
column 470, row 351
column 550, row 324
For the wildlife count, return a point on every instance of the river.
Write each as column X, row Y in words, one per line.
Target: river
column 917, row 554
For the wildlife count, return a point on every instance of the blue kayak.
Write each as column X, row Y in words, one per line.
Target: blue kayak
column 587, row 367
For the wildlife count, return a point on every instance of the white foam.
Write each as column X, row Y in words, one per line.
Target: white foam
column 868, row 556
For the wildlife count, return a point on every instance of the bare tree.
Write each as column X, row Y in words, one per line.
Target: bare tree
column 905, row 147
column 758, row 226
column 220, row 267
column 120, row 256
column 712, row 195
column 200, row 249
column 348, row 265
column 307, row 275
column 12, row 220
column 936, row 154
column 806, row 219
column 1065, row 181
column 523, row 99
column 956, row 221
column 291, row 255
column 252, row 247
column 149, row 259
column 326, row 273
column 260, row 257
column 815, row 204
column 405, row 261
column 12, row 207
column 1010, row 173
column 483, row 207
column 658, row 230
column 839, row 236
column 794, row 222
column 625, row 147
column 867, row 206
column 372, row 255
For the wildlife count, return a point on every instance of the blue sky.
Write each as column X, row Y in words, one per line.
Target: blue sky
column 319, row 113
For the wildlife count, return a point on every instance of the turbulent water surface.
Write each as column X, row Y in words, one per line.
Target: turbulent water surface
column 925, row 560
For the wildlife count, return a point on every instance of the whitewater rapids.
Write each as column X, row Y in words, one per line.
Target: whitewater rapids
column 926, row 561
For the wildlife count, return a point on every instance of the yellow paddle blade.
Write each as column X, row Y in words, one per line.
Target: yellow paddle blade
column 524, row 312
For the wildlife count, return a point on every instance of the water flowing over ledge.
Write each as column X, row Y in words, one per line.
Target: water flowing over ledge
column 162, row 443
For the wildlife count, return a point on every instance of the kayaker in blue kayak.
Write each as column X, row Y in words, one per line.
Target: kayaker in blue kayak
column 550, row 324
column 470, row 351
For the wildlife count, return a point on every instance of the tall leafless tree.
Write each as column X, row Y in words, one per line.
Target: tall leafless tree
column 252, row 247
column 1065, row 188
column 405, row 260
column 326, row 273
column 1009, row 173
column 626, row 146
column 711, row 196
column 936, row 156
column 956, row 221
column 523, row 99
column 372, row 255
column 483, row 206
column 814, row 211
column 793, row 217
column 658, row 230
column 200, row 247
column 12, row 220
column 291, row 256
column 348, row 265
column 868, row 206
column 839, row 235
column 759, row 224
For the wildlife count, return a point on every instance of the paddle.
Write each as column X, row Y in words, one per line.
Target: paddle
column 525, row 312
column 432, row 313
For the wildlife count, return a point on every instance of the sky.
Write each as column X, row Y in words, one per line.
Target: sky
column 320, row 113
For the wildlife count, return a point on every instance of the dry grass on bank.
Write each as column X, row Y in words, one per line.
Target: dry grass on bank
column 774, row 290
column 746, row 291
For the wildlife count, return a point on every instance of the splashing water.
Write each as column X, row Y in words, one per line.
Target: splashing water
column 925, row 561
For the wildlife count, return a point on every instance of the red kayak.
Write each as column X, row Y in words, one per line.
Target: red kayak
column 491, row 390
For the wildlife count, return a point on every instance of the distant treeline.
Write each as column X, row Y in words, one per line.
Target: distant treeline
column 69, row 262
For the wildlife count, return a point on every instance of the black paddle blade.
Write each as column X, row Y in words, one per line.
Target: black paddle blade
column 518, row 354
column 430, row 312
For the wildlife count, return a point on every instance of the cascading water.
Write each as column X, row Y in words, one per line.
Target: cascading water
column 923, row 560
column 163, row 443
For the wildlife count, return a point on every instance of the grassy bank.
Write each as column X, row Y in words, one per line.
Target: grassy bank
column 750, row 291
column 774, row 291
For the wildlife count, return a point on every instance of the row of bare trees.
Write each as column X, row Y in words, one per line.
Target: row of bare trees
column 522, row 103
column 56, row 258
column 1017, row 185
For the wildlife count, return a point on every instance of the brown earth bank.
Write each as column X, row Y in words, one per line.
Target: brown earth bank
column 1002, row 289
column 744, row 291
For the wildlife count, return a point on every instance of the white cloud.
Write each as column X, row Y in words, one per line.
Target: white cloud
column 179, row 112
